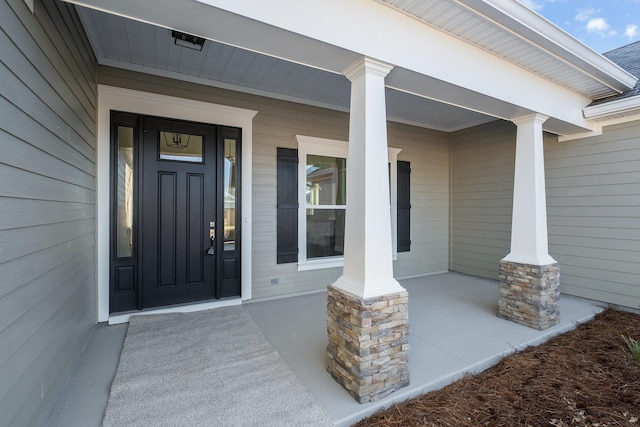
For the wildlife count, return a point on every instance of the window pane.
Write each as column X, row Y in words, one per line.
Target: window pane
column 180, row 147
column 124, row 193
column 326, row 180
column 325, row 232
column 230, row 178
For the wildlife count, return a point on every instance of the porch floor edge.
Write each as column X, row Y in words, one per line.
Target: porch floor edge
column 413, row 391
column 448, row 314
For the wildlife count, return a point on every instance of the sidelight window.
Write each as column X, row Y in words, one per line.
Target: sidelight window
column 230, row 185
column 124, row 192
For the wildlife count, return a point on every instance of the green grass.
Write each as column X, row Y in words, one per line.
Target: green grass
column 634, row 349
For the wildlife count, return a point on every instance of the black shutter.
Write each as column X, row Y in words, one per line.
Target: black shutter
column 404, row 206
column 287, row 218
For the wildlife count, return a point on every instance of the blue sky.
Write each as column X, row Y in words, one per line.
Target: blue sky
column 602, row 25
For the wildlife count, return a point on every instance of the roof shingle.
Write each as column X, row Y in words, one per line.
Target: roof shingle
column 628, row 58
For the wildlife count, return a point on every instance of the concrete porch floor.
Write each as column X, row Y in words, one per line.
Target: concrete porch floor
column 454, row 330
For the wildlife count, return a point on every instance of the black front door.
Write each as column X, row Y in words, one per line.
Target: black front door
column 178, row 212
column 175, row 217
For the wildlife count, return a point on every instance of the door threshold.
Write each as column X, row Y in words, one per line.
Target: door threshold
column 119, row 318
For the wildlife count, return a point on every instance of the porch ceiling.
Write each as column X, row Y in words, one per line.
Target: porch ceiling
column 138, row 46
column 457, row 63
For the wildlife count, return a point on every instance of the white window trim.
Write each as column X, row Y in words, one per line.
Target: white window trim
column 335, row 148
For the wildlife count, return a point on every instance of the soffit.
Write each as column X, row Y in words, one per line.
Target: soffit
column 505, row 34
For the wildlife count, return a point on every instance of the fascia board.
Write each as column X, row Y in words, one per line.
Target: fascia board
column 613, row 109
column 608, row 114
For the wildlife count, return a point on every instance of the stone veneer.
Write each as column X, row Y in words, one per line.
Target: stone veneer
column 530, row 294
column 368, row 343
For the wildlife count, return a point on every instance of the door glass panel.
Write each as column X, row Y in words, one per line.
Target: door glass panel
column 124, row 193
column 230, row 179
column 326, row 180
column 325, row 232
column 181, row 147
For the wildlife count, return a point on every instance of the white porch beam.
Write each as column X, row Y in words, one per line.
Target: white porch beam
column 529, row 241
column 368, row 269
column 371, row 29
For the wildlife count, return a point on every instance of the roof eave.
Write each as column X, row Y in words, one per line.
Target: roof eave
column 607, row 114
column 614, row 110
column 528, row 24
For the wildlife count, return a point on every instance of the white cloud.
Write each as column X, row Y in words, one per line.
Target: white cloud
column 631, row 32
column 599, row 25
column 585, row 14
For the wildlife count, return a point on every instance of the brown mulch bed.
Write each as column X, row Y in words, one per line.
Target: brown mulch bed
column 585, row 377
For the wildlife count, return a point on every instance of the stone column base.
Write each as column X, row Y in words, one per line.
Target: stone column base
column 530, row 294
column 368, row 343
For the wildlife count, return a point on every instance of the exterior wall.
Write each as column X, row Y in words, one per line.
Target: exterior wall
column 482, row 167
column 593, row 202
column 593, row 189
column 276, row 125
column 47, row 289
column 428, row 152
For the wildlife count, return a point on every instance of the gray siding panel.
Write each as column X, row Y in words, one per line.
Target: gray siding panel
column 27, row 157
column 593, row 201
column 20, row 125
column 47, row 262
column 23, row 184
column 482, row 165
column 16, row 213
column 276, row 125
column 428, row 152
column 593, row 207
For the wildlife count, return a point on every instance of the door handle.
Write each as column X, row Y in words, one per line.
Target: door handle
column 212, row 249
column 212, row 237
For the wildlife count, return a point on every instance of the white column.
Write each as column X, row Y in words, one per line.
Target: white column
column 529, row 242
column 368, row 262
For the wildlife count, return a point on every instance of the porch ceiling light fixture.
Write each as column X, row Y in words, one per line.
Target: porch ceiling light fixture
column 176, row 140
column 187, row 40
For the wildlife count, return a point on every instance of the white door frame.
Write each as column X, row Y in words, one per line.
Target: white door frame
column 133, row 101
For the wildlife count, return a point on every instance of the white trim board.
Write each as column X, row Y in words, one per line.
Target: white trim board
column 133, row 101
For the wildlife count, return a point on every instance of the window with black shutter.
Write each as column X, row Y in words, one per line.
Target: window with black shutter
column 288, row 205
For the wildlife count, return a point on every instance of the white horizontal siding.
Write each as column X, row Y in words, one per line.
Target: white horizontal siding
column 47, row 285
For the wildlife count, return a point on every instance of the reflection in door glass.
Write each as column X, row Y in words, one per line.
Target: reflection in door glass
column 181, row 147
column 124, row 193
column 230, row 179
